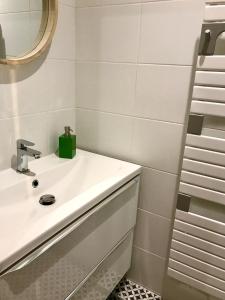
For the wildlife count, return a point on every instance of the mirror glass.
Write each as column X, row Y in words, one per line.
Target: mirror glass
column 22, row 26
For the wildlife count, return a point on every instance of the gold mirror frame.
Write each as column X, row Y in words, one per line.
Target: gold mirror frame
column 44, row 42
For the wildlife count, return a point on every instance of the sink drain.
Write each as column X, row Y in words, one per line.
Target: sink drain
column 35, row 183
column 47, row 200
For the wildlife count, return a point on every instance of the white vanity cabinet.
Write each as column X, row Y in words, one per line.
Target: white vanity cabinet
column 75, row 262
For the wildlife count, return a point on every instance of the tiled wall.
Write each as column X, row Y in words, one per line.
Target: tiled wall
column 176, row 290
column 20, row 24
column 37, row 99
column 133, row 77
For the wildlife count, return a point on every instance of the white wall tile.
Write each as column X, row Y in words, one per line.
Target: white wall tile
column 174, row 289
column 33, row 95
column 16, row 32
column 106, row 86
column 109, row 33
column 63, row 45
column 61, row 86
column 14, row 6
column 213, row 298
column 31, row 128
column 104, row 133
column 147, row 269
column 170, row 31
column 24, row 89
column 85, row 3
column 158, row 192
column 157, row 144
column 68, row 2
column 114, row 40
column 7, row 143
column 37, row 87
column 152, row 233
column 162, row 92
column 36, row 4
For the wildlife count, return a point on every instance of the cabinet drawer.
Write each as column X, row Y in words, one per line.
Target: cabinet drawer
column 55, row 273
column 108, row 274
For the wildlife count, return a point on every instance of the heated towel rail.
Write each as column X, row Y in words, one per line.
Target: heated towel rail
column 197, row 255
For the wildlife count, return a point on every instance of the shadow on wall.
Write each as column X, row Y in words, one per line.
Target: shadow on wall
column 11, row 75
column 177, row 290
column 2, row 45
column 166, row 290
column 16, row 73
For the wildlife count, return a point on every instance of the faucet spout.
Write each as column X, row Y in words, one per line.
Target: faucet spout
column 33, row 153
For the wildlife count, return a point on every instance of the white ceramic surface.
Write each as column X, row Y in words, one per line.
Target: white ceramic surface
column 37, row 98
column 77, row 184
column 135, row 117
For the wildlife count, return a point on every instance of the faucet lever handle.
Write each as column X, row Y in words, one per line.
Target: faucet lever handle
column 23, row 143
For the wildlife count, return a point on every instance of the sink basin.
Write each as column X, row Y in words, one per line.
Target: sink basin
column 77, row 185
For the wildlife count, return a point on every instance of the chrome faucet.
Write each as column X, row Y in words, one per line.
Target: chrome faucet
column 22, row 155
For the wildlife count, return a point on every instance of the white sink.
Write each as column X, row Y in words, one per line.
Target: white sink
column 77, row 184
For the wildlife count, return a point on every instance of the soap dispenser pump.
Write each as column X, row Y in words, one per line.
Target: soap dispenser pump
column 67, row 144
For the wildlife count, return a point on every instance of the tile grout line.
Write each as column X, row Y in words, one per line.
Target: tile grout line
column 86, row 61
column 119, row 4
column 34, row 114
column 151, row 213
column 148, row 252
column 127, row 116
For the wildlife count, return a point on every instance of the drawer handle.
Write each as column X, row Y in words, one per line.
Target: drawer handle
column 42, row 249
column 35, row 254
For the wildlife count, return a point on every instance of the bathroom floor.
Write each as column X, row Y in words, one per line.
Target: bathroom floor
column 128, row 290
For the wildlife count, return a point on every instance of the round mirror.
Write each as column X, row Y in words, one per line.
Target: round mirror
column 26, row 29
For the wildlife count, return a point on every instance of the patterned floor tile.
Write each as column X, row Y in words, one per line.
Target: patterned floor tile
column 128, row 290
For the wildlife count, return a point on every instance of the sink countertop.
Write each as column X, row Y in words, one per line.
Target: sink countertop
column 78, row 185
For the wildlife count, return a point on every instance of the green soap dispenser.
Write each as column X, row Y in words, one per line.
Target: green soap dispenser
column 67, row 144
